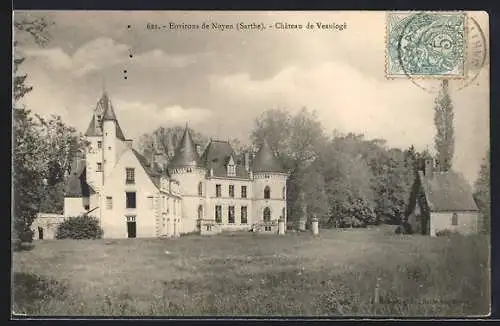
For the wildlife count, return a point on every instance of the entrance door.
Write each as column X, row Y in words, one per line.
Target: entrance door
column 131, row 229
column 131, row 226
column 40, row 233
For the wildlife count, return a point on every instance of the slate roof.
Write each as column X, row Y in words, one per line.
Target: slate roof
column 76, row 183
column 106, row 106
column 152, row 171
column 185, row 155
column 265, row 161
column 217, row 155
column 447, row 191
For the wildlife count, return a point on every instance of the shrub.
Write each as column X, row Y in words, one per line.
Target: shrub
column 31, row 292
column 404, row 228
column 79, row 227
column 22, row 240
column 445, row 233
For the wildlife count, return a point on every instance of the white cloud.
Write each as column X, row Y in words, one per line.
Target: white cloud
column 137, row 118
column 158, row 58
column 101, row 53
column 350, row 101
column 94, row 55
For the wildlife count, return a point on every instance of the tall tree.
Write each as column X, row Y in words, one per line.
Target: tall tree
column 166, row 139
column 28, row 147
column 444, row 140
column 62, row 143
column 482, row 193
column 297, row 141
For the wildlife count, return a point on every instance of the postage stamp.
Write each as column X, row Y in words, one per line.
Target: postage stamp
column 426, row 44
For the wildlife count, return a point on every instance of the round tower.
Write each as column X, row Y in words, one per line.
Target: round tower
column 269, row 188
column 109, row 136
column 187, row 169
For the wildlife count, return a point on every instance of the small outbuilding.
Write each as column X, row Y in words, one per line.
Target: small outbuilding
column 442, row 200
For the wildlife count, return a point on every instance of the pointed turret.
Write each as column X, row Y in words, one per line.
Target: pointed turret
column 109, row 112
column 265, row 161
column 104, row 111
column 185, row 154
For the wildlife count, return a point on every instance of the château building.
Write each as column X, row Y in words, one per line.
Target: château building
column 194, row 192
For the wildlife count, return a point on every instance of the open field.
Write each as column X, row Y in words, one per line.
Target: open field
column 254, row 275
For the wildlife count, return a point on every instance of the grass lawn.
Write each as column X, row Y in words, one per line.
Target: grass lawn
column 335, row 273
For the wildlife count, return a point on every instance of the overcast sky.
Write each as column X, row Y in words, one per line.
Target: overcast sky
column 220, row 81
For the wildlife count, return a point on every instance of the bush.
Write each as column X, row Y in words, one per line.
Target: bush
column 404, row 228
column 79, row 227
column 445, row 233
column 22, row 241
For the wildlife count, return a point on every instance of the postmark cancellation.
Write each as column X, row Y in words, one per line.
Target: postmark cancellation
column 426, row 44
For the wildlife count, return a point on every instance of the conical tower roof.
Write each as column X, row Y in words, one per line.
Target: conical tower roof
column 265, row 161
column 185, row 154
column 107, row 108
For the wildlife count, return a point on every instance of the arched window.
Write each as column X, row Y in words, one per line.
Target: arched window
column 267, row 192
column 267, row 214
column 200, row 189
column 283, row 193
column 454, row 219
column 200, row 212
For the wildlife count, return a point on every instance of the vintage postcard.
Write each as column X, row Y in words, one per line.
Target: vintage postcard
column 242, row 164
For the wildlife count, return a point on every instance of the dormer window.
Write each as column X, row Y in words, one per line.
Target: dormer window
column 231, row 170
column 99, row 119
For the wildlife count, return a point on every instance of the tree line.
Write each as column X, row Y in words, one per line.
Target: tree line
column 345, row 180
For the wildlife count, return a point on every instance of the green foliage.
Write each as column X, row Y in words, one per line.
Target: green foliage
column 43, row 148
column 446, row 232
column 345, row 180
column 417, row 276
column 52, row 200
column 79, row 227
column 28, row 149
column 166, row 139
column 482, row 193
column 28, row 173
column 31, row 292
column 443, row 119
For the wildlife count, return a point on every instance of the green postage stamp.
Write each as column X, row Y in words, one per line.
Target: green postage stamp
column 426, row 44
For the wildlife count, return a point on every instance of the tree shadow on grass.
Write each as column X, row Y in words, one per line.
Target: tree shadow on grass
column 31, row 293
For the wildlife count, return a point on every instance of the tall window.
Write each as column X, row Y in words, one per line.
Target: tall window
column 283, row 212
column 243, row 191
column 454, row 219
column 99, row 144
column 283, row 194
column 130, row 175
column 218, row 214
column 131, row 200
column 200, row 212
column 230, row 215
column 244, row 215
column 267, row 192
column 267, row 218
column 99, row 167
column 218, row 190
column 150, row 202
column 267, row 214
column 109, row 202
column 200, row 189
column 231, row 191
